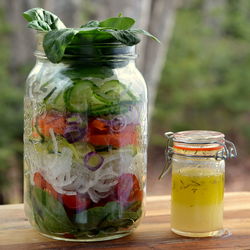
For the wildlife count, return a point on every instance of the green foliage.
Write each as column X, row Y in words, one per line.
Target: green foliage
column 10, row 109
column 205, row 82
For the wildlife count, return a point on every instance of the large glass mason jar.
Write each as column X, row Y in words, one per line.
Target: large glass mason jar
column 85, row 141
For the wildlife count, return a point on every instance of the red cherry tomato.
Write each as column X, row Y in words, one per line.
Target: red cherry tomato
column 128, row 189
column 43, row 184
column 100, row 134
column 75, row 202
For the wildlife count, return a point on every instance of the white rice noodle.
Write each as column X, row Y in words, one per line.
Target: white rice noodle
column 96, row 183
column 55, row 168
column 96, row 196
column 52, row 134
column 69, row 177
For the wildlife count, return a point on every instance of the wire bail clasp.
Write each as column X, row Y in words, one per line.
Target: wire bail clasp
column 229, row 151
column 168, row 154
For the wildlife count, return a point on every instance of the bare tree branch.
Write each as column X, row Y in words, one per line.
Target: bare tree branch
column 161, row 25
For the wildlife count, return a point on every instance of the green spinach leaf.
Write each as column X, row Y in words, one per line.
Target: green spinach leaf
column 92, row 23
column 144, row 32
column 117, row 23
column 49, row 213
column 55, row 43
column 125, row 36
column 110, row 217
column 58, row 37
column 43, row 20
column 92, row 218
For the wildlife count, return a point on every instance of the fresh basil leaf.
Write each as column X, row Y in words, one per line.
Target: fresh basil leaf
column 49, row 213
column 144, row 32
column 55, row 43
column 118, row 23
column 39, row 25
column 125, row 36
column 43, row 20
column 92, row 23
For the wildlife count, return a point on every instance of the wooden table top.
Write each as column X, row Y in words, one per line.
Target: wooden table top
column 153, row 232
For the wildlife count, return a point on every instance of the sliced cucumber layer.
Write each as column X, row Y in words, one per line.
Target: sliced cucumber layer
column 112, row 97
column 76, row 97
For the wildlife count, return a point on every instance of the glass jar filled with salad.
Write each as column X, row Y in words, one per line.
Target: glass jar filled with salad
column 85, row 135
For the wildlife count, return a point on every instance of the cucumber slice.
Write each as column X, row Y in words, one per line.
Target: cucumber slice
column 59, row 103
column 114, row 92
column 77, row 97
column 111, row 109
column 96, row 102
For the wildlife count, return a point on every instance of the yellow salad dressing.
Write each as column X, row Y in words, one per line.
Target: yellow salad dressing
column 197, row 200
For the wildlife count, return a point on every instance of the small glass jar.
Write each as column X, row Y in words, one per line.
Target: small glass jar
column 85, row 141
column 197, row 159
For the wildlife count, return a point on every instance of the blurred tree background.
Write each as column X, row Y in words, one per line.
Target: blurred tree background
column 204, row 84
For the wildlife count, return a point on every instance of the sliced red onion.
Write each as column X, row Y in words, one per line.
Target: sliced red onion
column 118, row 123
column 74, row 119
column 90, row 156
column 74, row 133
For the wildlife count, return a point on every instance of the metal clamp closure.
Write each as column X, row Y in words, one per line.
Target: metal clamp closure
column 228, row 151
column 168, row 154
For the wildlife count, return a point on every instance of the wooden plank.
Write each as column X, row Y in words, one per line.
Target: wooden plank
column 154, row 232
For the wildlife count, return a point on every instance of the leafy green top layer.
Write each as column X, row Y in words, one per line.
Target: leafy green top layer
column 58, row 37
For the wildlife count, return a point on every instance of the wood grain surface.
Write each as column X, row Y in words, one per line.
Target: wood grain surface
column 153, row 233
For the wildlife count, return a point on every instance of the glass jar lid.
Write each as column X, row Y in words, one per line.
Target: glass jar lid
column 198, row 136
column 198, row 140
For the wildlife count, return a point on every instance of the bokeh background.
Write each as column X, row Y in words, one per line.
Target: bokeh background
column 198, row 78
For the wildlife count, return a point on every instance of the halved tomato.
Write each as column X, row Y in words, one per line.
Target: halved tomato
column 75, row 202
column 43, row 184
column 71, row 202
column 128, row 189
column 51, row 120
